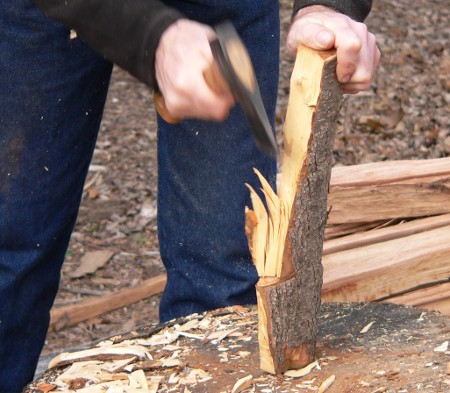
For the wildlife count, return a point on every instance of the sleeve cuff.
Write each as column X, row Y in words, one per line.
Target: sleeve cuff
column 355, row 9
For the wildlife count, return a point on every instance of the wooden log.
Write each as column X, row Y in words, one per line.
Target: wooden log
column 379, row 270
column 384, row 234
column 339, row 230
column 382, row 191
column 291, row 232
column 70, row 315
column 436, row 297
column 377, row 173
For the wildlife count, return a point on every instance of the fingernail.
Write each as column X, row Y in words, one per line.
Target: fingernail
column 325, row 38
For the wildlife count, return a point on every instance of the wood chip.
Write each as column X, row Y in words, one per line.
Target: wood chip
column 303, row 371
column 307, row 387
column 442, row 348
column 71, row 357
column 159, row 339
column 220, row 335
column 195, row 376
column 367, row 327
column 169, row 363
column 138, row 380
column 192, row 335
column 326, row 384
column 447, row 371
column 242, row 384
column 193, row 324
column 116, row 388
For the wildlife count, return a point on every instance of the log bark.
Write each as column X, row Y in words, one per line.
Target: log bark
column 291, row 274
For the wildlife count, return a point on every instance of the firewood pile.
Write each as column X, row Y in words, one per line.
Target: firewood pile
column 388, row 234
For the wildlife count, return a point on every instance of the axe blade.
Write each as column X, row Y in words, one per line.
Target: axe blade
column 235, row 65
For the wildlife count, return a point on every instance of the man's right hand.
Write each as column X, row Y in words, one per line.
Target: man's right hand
column 182, row 56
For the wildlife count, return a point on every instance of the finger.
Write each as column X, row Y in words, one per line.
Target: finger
column 366, row 66
column 204, row 104
column 312, row 35
column 348, row 48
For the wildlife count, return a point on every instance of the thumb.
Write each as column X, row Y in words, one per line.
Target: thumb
column 312, row 35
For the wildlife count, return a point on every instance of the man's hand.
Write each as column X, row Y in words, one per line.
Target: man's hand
column 321, row 28
column 183, row 54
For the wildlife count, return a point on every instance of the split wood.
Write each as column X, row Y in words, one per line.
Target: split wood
column 286, row 239
column 70, row 315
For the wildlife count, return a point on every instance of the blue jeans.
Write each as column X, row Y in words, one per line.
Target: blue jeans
column 52, row 93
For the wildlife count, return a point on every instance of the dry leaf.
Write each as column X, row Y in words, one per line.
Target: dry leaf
column 92, row 261
column 47, row 387
column 242, row 384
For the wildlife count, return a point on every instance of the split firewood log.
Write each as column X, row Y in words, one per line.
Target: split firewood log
column 286, row 237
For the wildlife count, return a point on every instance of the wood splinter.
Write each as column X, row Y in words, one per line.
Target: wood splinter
column 286, row 239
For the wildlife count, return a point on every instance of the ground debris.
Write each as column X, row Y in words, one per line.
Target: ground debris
column 393, row 355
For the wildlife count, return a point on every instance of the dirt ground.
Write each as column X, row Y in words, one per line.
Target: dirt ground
column 362, row 348
column 403, row 116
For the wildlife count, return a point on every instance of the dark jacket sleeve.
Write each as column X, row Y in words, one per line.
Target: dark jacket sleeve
column 124, row 32
column 355, row 9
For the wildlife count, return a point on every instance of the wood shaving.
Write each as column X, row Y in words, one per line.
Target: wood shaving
column 303, row 371
column 220, row 335
column 442, row 348
column 117, row 350
column 193, row 324
column 242, row 384
column 326, row 384
column 367, row 327
column 159, row 339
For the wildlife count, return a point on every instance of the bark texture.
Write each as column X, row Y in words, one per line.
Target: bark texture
column 292, row 306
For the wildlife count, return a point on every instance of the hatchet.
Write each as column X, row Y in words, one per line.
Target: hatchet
column 232, row 70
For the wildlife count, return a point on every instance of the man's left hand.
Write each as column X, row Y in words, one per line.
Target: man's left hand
column 322, row 28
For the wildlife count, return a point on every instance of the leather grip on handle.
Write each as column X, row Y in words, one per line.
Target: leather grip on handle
column 215, row 82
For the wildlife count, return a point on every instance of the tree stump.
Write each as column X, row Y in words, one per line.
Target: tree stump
column 362, row 347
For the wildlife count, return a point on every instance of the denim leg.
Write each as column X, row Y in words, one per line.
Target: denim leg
column 203, row 168
column 52, row 92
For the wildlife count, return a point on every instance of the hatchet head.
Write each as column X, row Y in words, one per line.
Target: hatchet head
column 233, row 62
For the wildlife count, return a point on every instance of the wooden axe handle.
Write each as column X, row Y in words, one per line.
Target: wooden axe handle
column 214, row 80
